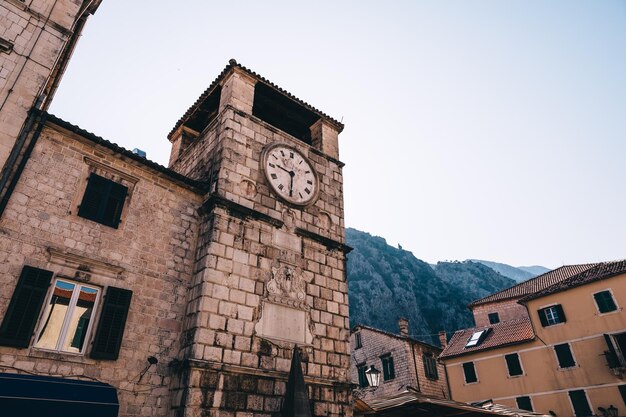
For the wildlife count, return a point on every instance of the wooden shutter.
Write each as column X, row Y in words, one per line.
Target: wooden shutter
column 94, row 197
column 523, row 403
column 564, row 355
column 108, row 339
column 513, row 364
column 113, row 208
column 622, row 392
column 23, row 311
column 560, row 313
column 580, row 403
column 612, row 359
column 470, row 372
column 542, row 317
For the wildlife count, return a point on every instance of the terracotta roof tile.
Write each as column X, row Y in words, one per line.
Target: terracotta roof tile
column 501, row 334
column 232, row 64
column 534, row 285
column 598, row 272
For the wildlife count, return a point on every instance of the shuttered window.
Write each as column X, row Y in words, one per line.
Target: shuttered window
column 523, row 403
column 389, row 371
column 358, row 341
column 494, row 318
column 622, row 392
column 108, row 339
column 470, row 372
column 564, row 355
column 580, row 403
column 605, row 301
column 513, row 364
column 430, row 366
column 362, row 378
column 551, row 315
column 103, row 201
column 23, row 311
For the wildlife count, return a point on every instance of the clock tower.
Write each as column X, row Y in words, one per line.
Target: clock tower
column 269, row 272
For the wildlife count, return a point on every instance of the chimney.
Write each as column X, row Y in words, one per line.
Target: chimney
column 443, row 339
column 403, row 324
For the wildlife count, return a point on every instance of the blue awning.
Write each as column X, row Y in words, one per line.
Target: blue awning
column 44, row 396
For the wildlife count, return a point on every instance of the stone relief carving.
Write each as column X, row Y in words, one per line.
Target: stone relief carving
column 286, row 282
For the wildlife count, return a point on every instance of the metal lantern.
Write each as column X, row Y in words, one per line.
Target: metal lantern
column 373, row 376
column 612, row 411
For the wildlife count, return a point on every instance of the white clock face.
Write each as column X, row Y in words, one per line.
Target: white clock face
column 290, row 174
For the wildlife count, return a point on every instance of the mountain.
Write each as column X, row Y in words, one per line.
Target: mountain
column 519, row 274
column 386, row 283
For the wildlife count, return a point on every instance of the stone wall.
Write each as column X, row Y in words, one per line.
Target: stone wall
column 35, row 31
column 151, row 253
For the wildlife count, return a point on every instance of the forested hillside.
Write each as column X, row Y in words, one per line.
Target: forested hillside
column 386, row 283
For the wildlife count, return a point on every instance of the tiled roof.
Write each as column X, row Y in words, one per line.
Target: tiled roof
column 232, row 64
column 598, row 272
column 397, row 336
column 501, row 334
column 534, row 285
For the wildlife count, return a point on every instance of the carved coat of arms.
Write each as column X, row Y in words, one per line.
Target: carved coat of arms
column 287, row 283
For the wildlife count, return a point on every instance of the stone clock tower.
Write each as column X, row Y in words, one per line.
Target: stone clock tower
column 269, row 270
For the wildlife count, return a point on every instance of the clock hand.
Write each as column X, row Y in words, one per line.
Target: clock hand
column 291, row 175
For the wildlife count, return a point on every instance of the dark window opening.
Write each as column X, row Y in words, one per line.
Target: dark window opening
column 389, row 371
column 494, row 318
column 605, row 301
column 430, row 366
column 616, row 344
column 206, row 112
column 523, row 403
column 470, row 372
column 362, row 378
column 580, row 403
column 282, row 112
column 103, row 201
column 564, row 355
column 357, row 341
column 513, row 364
column 622, row 392
column 551, row 315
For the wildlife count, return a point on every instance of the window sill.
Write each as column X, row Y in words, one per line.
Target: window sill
column 608, row 313
column 569, row 368
column 471, row 383
column 555, row 325
column 515, row 376
column 39, row 353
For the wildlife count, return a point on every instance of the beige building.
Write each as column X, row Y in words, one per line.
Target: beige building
column 403, row 361
column 560, row 347
column 180, row 290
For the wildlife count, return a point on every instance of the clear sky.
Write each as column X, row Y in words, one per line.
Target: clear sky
column 474, row 129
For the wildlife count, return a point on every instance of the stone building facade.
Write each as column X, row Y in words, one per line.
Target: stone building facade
column 403, row 362
column 185, row 288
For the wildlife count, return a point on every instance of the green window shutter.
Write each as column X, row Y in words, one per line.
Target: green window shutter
column 103, row 201
column 560, row 313
column 612, row 359
column 523, row 403
column 580, row 403
column 470, row 372
column 23, row 311
column 513, row 364
column 564, row 355
column 542, row 317
column 108, row 339
column 622, row 392
column 605, row 301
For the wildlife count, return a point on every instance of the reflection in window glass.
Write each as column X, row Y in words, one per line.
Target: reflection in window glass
column 67, row 318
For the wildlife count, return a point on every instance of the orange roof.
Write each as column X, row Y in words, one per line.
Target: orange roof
column 534, row 285
column 501, row 334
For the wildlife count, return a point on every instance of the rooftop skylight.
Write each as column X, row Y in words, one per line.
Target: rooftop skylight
column 477, row 338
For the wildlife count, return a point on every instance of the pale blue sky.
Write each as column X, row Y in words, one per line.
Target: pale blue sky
column 474, row 129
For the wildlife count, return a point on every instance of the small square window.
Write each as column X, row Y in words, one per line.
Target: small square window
column 388, row 368
column 67, row 317
column 358, row 341
column 513, row 364
column 470, row 372
column 103, row 201
column 552, row 315
column 605, row 301
column 494, row 318
column 564, row 355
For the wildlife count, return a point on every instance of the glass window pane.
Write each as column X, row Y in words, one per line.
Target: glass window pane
column 54, row 315
column 79, row 320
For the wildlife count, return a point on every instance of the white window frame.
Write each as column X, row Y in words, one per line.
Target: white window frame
column 543, row 308
column 556, row 357
column 530, row 398
column 595, row 302
column 508, row 371
column 66, row 323
column 571, row 404
column 475, row 372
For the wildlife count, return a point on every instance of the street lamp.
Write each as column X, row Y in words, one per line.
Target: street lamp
column 612, row 411
column 373, row 377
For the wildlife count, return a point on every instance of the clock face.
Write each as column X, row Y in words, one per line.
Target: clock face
column 290, row 174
